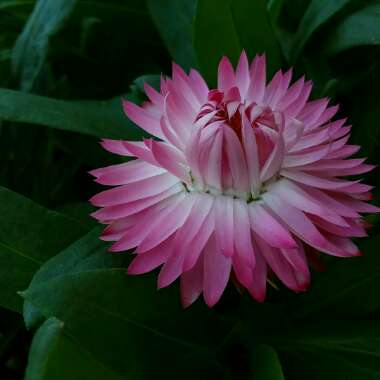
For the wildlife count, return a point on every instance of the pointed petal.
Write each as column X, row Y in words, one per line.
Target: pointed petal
column 226, row 75
column 268, row 228
column 216, row 273
column 192, row 283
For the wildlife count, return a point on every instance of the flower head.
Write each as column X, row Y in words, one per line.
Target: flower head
column 243, row 178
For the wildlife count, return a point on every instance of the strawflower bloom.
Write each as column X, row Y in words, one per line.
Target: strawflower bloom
column 241, row 179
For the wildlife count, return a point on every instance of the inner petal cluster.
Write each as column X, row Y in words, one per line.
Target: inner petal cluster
column 240, row 145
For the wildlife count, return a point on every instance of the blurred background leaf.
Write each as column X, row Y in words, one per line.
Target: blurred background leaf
column 30, row 51
column 225, row 28
column 334, row 350
column 266, row 364
column 174, row 20
column 54, row 355
column 29, row 235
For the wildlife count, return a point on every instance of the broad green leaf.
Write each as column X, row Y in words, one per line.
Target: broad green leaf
column 55, row 355
column 32, row 316
column 349, row 287
column 317, row 14
column 358, row 29
column 138, row 84
column 266, row 364
column 174, row 21
column 29, row 235
column 148, row 331
column 80, row 211
column 104, row 119
column 226, row 27
column 31, row 47
column 331, row 350
column 95, row 118
column 274, row 8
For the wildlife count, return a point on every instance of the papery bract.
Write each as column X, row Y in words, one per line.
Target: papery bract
column 242, row 178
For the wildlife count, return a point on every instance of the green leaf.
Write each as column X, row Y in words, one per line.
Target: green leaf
column 31, row 47
column 89, row 290
column 331, row 350
column 104, row 119
column 32, row 316
column 174, row 20
column 138, row 84
column 358, row 29
column 225, row 27
column 266, row 364
column 29, row 235
column 316, row 15
column 348, row 289
column 55, row 355
column 96, row 118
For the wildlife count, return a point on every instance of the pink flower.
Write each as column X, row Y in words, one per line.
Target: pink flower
column 242, row 179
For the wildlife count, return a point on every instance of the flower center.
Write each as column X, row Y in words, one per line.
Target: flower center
column 226, row 165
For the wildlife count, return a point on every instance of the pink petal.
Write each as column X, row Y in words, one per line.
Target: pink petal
column 147, row 261
column 226, row 75
column 216, row 273
column 224, row 224
column 292, row 94
column 312, row 112
column 281, row 90
column 173, row 221
column 185, row 239
column 141, row 151
column 117, row 147
column 349, row 231
column 146, row 223
column 274, row 161
column 259, row 274
column 154, row 96
column 236, row 159
column 319, row 182
column 256, row 89
column 268, row 228
column 294, row 108
column 134, row 191
column 282, row 268
column 242, row 229
column 305, row 157
column 194, row 249
column 182, row 82
column 199, row 85
column 300, row 225
column 251, row 154
column 297, row 197
column 192, row 283
column 123, row 210
column 212, row 168
column 142, row 118
column 243, row 272
column 242, row 74
column 123, row 174
column 170, row 134
column 171, row 159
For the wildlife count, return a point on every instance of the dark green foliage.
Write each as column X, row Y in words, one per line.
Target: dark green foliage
column 64, row 67
column 226, row 28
